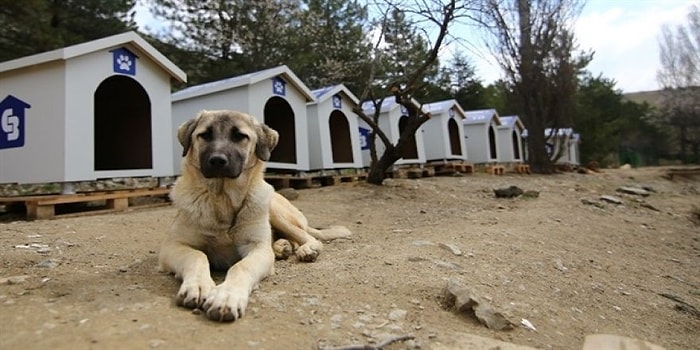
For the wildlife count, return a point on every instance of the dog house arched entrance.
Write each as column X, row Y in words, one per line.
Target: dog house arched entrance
column 453, row 130
column 492, row 143
column 122, row 125
column 341, row 145
column 280, row 117
column 410, row 151
column 516, row 145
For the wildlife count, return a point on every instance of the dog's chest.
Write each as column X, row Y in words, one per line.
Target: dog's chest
column 221, row 251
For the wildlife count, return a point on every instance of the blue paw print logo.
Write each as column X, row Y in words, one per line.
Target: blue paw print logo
column 123, row 61
column 278, row 86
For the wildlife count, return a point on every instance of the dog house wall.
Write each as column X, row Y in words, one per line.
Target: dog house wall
column 568, row 141
column 339, row 101
column 59, row 88
column 249, row 93
column 480, row 131
column 389, row 118
column 437, row 135
column 510, row 140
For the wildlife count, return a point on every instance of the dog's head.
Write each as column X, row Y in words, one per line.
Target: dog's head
column 224, row 143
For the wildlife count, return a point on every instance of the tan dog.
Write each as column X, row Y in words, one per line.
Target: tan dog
column 223, row 219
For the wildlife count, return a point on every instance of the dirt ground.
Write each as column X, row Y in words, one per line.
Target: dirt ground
column 569, row 268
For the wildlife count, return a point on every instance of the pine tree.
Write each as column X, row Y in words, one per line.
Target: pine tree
column 34, row 26
column 404, row 51
column 331, row 46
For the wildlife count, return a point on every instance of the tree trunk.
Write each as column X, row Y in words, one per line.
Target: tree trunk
column 377, row 172
column 392, row 153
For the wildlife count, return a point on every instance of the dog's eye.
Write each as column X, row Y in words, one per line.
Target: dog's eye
column 206, row 135
column 238, row 136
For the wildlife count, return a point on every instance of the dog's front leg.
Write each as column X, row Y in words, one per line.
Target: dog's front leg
column 192, row 266
column 228, row 301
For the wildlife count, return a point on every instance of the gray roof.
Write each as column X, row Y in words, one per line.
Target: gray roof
column 481, row 116
column 443, row 106
column 327, row 92
column 244, row 80
column 142, row 47
column 388, row 104
column 512, row 120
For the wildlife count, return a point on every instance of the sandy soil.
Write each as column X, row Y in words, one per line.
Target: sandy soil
column 571, row 269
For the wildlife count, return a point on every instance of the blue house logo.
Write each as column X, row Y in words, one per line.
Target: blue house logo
column 337, row 101
column 12, row 122
column 279, row 87
column 123, row 61
column 364, row 138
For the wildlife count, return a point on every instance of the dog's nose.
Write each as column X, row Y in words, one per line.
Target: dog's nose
column 218, row 161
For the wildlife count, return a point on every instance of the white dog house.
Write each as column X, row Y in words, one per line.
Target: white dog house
column 481, row 136
column 274, row 96
column 392, row 120
column 510, row 140
column 99, row 109
column 443, row 133
column 334, row 142
column 563, row 146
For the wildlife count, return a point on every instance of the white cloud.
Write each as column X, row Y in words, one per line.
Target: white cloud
column 624, row 36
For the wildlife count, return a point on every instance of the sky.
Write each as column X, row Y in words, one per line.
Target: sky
column 624, row 34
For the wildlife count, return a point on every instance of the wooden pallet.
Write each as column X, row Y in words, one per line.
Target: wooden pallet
column 522, row 168
column 410, row 173
column 310, row 181
column 449, row 168
column 45, row 206
column 495, row 169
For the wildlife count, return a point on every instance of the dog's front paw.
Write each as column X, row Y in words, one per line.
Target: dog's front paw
column 283, row 249
column 309, row 251
column 192, row 293
column 226, row 304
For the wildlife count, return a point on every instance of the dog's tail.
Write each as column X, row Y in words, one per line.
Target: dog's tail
column 330, row 233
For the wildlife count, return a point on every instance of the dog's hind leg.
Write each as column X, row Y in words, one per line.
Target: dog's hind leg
column 330, row 233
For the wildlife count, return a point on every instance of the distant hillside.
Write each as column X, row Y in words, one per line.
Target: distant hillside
column 654, row 98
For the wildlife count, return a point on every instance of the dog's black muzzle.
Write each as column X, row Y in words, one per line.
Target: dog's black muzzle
column 219, row 164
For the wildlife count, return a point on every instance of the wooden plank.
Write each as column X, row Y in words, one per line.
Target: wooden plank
column 118, row 203
column 88, row 197
column 40, row 212
column 44, row 207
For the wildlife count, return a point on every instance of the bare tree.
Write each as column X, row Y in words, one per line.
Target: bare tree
column 680, row 77
column 431, row 16
column 533, row 42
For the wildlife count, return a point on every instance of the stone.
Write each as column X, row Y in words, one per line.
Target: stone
column 48, row 263
column 462, row 300
column 531, row 194
column 611, row 199
column 14, row 279
column 452, row 248
column 634, row 191
column 593, row 203
column 508, row 192
column 397, row 315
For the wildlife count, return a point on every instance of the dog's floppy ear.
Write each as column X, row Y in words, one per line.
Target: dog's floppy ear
column 267, row 140
column 184, row 134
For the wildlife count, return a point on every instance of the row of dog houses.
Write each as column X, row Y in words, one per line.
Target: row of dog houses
column 104, row 109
